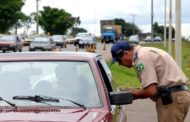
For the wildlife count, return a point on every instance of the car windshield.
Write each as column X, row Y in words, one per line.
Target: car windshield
column 108, row 30
column 82, row 35
column 8, row 38
column 58, row 37
column 68, row 80
column 41, row 40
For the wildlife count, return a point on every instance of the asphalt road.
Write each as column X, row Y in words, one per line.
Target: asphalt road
column 139, row 110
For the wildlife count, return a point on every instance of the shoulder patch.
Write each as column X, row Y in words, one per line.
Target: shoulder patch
column 140, row 67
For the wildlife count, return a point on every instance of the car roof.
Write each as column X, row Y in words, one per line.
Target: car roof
column 48, row 56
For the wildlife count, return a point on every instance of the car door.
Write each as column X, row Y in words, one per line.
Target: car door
column 119, row 113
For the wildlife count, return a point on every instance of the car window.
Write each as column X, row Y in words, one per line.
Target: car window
column 41, row 40
column 8, row 38
column 69, row 80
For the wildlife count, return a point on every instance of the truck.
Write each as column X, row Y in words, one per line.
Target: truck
column 110, row 32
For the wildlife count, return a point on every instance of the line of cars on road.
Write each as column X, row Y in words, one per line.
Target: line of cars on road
column 135, row 39
column 155, row 39
column 44, row 42
column 35, row 42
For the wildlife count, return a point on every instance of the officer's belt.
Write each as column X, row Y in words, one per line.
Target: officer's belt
column 178, row 88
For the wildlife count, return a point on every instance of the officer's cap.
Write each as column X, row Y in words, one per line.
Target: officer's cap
column 118, row 48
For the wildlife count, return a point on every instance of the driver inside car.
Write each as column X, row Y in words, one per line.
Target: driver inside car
column 69, row 84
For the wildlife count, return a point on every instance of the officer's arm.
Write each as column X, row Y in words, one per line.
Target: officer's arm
column 148, row 92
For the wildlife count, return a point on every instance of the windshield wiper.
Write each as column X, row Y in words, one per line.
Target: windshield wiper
column 37, row 99
column 11, row 104
column 80, row 105
column 42, row 99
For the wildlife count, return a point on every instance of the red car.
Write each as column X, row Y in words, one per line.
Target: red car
column 58, row 87
column 10, row 43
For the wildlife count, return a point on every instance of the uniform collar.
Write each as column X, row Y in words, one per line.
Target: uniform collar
column 135, row 55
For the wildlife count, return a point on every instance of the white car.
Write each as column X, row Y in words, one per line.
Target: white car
column 157, row 39
column 134, row 39
column 148, row 39
column 85, row 41
column 81, row 36
column 59, row 40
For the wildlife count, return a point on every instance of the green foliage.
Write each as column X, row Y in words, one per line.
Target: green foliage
column 124, row 77
column 10, row 13
column 76, row 30
column 159, row 30
column 56, row 21
column 127, row 28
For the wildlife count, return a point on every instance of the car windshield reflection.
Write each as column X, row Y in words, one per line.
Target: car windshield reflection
column 70, row 80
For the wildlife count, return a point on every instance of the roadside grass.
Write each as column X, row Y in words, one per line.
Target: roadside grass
column 126, row 78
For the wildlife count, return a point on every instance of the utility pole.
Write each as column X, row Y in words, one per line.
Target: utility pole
column 178, row 33
column 133, row 15
column 37, row 17
column 165, row 20
column 170, row 29
column 152, row 19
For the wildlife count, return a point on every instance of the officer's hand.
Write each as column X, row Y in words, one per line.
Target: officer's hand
column 147, row 92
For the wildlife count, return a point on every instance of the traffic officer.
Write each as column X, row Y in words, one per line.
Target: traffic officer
column 161, row 78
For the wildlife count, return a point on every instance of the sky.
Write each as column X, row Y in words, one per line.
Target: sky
column 92, row 11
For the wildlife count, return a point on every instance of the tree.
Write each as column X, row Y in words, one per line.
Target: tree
column 19, row 23
column 127, row 28
column 27, row 22
column 159, row 30
column 10, row 11
column 56, row 21
column 76, row 30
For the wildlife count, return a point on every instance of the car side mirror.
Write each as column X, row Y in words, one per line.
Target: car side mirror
column 121, row 98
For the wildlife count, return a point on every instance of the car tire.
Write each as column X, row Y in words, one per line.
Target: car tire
column 20, row 50
column 4, row 51
column 31, row 49
column 14, row 50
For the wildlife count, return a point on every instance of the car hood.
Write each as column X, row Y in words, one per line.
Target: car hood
column 63, row 115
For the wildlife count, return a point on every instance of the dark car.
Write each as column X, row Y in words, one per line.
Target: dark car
column 59, row 40
column 10, row 43
column 58, row 87
column 157, row 39
column 42, row 43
